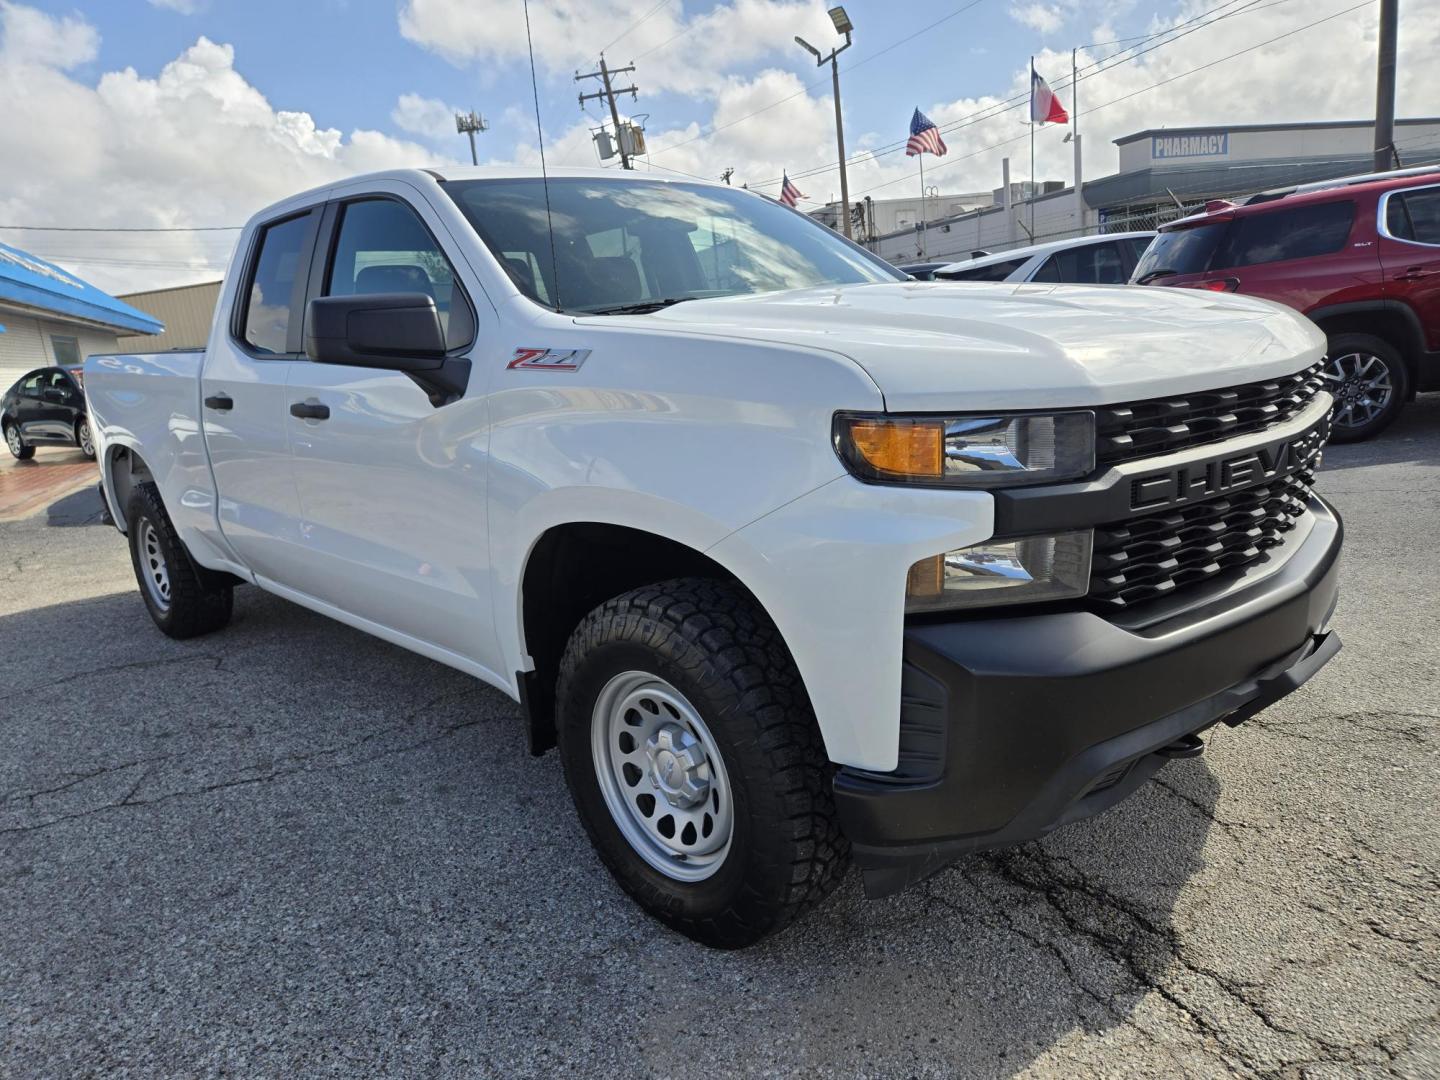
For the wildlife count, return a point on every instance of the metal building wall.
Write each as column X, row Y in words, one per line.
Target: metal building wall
column 186, row 312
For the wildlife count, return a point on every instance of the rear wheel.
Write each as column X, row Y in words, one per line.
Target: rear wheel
column 18, row 449
column 693, row 758
column 1368, row 378
column 84, row 440
column 182, row 597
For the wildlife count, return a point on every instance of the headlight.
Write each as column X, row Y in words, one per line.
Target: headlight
column 967, row 451
column 1024, row 570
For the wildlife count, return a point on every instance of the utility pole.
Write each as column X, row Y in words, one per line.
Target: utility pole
column 468, row 124
column 727, row 174
column 609, row 95
column 1385, row 86
column 844, row 26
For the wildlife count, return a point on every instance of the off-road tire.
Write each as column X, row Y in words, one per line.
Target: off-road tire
column 1368, row 344
column 197, row 603
column 708, row 640
column 25, row 453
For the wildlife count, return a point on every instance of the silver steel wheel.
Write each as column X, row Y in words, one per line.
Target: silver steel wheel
column 662, row 776
column 1362, row 385
column 87, row 445
column 12, row 439
column 153, row 570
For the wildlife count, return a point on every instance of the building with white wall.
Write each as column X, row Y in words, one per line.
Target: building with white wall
column 49, row 316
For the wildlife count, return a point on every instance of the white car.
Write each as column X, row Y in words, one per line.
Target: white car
column 1107, row 259
column 799, row 562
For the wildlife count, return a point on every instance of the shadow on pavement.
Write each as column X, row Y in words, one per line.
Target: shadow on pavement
column 290, row 845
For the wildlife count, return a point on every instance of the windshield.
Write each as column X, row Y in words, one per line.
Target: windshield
column 633, row 244
column 1180, row 251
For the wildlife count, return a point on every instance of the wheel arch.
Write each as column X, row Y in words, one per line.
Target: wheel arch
column 572, row 568
column 124, row 468
column 1389, row 320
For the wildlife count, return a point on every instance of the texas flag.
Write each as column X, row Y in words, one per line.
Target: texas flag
column 1045, row 107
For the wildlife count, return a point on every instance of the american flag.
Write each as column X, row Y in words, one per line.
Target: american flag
column 789, row 193
column 924, row 137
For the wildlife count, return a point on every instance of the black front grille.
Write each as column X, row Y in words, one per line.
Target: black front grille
column 1149, row 557
column 1140, row 429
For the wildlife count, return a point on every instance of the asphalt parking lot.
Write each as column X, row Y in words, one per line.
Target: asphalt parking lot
column 290, row 849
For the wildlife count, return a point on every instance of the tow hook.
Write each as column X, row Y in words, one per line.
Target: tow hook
column 1186, row 746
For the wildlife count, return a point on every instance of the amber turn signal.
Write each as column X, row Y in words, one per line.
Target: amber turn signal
column 908, row 448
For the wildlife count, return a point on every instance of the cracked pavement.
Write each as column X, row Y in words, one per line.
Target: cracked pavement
column 289, row 849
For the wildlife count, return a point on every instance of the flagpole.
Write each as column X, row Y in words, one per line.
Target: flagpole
column 923, row 245
column 1032, row 149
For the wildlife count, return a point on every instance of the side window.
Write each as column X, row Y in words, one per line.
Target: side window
column 1420, row 215
column 67, row 350
column 1049, row 270
column 1137, row 245
column 30, row 385
column 1287, row 234
column 994, row 272
column 274, row 282
column 1093, row 264
column 383, row 247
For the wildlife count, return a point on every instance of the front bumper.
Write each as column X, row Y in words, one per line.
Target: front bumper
column 1015, row 725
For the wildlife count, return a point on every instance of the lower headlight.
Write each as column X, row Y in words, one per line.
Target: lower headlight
column 1023, row 570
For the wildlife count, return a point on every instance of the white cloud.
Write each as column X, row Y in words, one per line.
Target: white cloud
column 32, row 37
column 1044, row 18
column 429, row 117
column 569, row 33
column 197, row 144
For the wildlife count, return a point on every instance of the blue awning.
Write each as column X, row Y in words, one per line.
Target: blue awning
column 30, row 280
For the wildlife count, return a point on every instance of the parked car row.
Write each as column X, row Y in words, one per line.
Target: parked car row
column 1359, row 255
column 46, row 407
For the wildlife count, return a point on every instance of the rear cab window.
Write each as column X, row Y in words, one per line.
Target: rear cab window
column 276, row 286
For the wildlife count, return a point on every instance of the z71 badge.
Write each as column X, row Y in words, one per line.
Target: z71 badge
column 548, row 359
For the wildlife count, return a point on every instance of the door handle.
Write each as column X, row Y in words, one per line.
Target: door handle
column 219, row 402
column 1412, row 273
column 307, row 410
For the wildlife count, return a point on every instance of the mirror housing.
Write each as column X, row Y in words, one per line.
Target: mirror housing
column 389, row 332
column 54, row 395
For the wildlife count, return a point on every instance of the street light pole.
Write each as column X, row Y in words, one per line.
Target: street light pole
column 844, row 26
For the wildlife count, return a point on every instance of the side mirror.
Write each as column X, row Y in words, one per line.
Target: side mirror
column 390, row 331
column 55, row 395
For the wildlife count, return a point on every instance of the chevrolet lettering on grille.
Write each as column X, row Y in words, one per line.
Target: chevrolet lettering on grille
column 1206, row 479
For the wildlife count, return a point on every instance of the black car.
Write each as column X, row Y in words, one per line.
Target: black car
column 46, row 408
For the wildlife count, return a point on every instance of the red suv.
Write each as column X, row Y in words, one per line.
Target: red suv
column 1360, row 256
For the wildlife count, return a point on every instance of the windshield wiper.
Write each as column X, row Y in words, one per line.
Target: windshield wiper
column 1145, row 279
column 640, row 307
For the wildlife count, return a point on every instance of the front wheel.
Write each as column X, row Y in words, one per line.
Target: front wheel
column 693, row 757
column 18, row 450
column 181, row 597
column 1368, row 377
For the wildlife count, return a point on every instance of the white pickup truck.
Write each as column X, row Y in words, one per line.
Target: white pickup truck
column 799, row 562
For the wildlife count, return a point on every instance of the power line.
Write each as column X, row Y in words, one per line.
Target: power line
column 122, row 229
column 626, row 32
column 999, row 108
column 1143, row 89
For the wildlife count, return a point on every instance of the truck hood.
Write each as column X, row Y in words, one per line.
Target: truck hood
column 958, row 345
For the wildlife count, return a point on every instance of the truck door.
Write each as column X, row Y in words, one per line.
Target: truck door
column 393, row 486
column 243, row 399
column 1410, row 254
